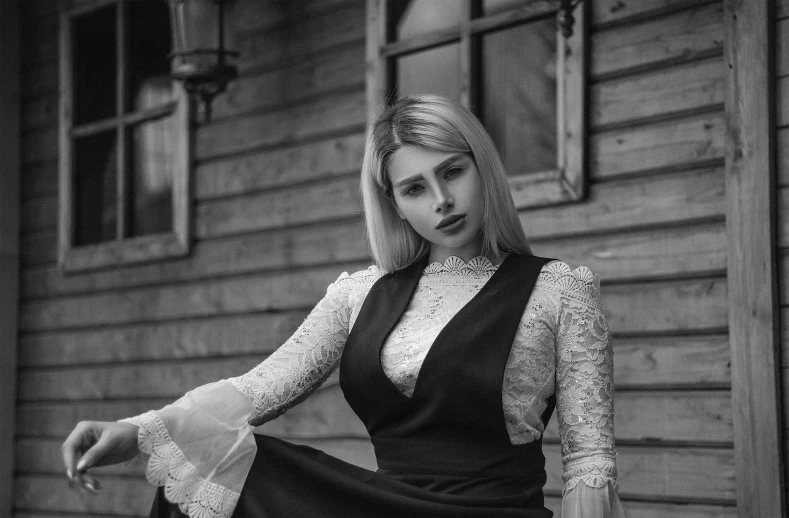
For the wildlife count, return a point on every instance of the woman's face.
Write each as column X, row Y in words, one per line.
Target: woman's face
column 440, row 195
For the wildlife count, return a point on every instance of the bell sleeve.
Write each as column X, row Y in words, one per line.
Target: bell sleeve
column 201, row 447
column 584, row 400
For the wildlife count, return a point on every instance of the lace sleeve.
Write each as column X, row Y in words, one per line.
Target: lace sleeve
column 201, row 447
column 584, row 390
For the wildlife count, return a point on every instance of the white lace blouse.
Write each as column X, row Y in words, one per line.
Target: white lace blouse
column 201, row 447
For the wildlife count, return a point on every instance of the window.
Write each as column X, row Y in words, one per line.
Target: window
column 507, row 61
column 124, row 137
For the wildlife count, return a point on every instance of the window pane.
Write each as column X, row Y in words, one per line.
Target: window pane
column 151, row 155
column 519, row 95
column 95, row 188
column 149, row 43
column 94, row 60
column 417, row 17
column 434, row 71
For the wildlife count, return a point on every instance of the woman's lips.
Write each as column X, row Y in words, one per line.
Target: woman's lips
column 451, row 224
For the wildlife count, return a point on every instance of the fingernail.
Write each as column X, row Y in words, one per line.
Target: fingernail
column 89, row 486
column 69, row 474
column 81, row 465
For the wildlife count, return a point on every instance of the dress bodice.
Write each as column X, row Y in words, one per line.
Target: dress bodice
column 453, row 419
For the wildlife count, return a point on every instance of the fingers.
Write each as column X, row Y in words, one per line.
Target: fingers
column 86, row 435
column 72, row 447
column 83, row 481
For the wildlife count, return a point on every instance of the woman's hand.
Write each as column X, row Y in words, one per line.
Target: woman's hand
column 97, row 443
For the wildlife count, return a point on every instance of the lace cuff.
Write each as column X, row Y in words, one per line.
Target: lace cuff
column 204, row 471
column 584, row 501
column 595, row 471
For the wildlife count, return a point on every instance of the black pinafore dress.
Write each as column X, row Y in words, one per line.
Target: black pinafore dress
column 444, row 451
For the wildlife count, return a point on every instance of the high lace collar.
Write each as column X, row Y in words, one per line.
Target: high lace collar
column 454, row 265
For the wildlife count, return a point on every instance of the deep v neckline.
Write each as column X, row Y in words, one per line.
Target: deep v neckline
column 432, row 349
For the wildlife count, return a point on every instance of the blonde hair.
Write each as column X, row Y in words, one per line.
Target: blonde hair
column 439, row 124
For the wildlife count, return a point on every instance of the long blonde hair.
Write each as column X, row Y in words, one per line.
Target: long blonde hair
column 439, row 124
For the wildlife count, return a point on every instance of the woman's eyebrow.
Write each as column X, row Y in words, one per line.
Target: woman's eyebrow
column 436, row 169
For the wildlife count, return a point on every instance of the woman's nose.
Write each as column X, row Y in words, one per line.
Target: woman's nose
column 443, row 200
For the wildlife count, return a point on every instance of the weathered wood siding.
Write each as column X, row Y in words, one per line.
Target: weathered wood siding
column 277, row 219
column 782, row 186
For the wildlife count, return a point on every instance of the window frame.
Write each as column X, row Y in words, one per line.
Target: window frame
column 122, row 250
column 566, row 183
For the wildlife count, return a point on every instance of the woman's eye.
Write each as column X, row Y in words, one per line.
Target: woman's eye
column 414, row 189
column 451, row 173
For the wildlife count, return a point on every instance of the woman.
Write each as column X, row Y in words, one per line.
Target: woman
column 455, row 347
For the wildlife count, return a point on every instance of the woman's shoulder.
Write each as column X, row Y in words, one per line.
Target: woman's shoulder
column 570, row 280
column 362, row 279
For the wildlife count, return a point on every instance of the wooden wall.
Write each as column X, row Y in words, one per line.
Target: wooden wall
column 276, row 220
column 782, row 186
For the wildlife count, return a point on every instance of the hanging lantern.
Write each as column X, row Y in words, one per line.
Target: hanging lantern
column 199, row 57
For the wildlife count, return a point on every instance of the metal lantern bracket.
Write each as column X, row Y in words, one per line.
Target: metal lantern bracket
column 565, row 16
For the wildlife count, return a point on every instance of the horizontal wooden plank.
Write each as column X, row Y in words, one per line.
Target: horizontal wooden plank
column 677, row 37
column 184, row 339
column 654, row 306
column 652, row 252
column 344, row 112
column 37, row 81
column 145, row 381
column 300, row 38
column 783, row 221
column 641, row 509
column 56, row 420
column 617, row 11
column 682, row 305
column 39, row 248
column 119, row 496
column 657, row 93
column 39, row 147
column 40, row 180
column 331, row 199
column 260, row 16
column 633, row 203
column 40, row 113
column 662, row 472
column 782, row 48
column 254, row 293
column 329, row 72
column 39, row 214
column 671, row 416
column 672, row 360
column 668, row 416
column 665, row 145
column 279, row 167
column 782, row 152
column 251, row 253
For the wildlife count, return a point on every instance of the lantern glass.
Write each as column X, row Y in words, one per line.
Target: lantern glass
column 196, row 38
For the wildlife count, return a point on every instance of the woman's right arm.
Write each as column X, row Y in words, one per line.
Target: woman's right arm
column 201, row 446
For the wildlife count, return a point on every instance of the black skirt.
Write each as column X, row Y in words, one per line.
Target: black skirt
column 288, row 480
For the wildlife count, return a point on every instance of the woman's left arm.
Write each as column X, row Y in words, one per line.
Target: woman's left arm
column 585, row 401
